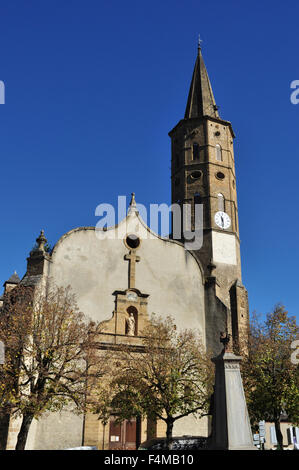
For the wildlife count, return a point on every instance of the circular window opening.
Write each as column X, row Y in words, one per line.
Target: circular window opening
column 133, row 241
column 220, row 175
column 195, row 175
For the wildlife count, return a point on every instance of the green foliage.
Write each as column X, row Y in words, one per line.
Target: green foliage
column 169, row 378
column 49, row 352
column 271, row 380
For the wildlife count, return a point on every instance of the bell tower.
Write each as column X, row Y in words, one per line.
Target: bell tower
column 203, row 172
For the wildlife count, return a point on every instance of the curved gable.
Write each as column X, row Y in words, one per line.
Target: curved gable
column 93, row 263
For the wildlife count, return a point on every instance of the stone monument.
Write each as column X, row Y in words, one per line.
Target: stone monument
column 230, row 422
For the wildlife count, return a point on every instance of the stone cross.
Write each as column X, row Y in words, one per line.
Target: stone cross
column 133, row 259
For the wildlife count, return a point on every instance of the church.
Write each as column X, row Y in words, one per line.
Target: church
column 126, row 272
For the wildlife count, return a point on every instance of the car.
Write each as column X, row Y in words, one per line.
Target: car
column 177, row 443
column 82, row 448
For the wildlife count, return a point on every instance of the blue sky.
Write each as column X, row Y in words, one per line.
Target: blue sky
column 92, row 90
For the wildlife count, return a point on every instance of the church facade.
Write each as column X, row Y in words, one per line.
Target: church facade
column 123, row 274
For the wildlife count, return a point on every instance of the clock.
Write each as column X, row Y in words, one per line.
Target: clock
column 132, row 296
column 222, row 219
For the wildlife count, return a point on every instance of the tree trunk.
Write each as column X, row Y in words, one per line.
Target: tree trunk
column 23, row 433
column 4, row 426
column 278, row 435
column 169, row 429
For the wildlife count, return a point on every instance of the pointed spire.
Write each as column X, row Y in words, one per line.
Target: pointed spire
column 132, row 206
column 201, row 101
column 14, row 279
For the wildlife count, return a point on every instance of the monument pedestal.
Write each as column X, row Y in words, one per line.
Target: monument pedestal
column 231, row 426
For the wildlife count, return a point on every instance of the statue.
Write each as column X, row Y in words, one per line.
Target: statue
column 130, row 322
column 225, row 339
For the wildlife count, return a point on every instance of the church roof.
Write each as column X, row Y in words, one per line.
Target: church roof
column 201, row 101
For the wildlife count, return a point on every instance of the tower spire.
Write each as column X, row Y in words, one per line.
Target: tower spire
column 201, row 101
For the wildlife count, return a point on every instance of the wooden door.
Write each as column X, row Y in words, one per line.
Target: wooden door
column 130, row 434
column 115, row 435
column 123, row 436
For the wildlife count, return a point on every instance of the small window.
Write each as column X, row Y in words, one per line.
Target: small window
column 221, row 202
column 220, row 175
column 195, row 175
column 195, row 151
column 197, row 198
column 133, row 241
column 218, row 153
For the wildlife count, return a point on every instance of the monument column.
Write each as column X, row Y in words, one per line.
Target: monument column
column 231, row 428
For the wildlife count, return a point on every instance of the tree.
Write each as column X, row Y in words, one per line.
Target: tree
column 49, row 353
column 169, row 378
column 271, row 381
column 13, row 318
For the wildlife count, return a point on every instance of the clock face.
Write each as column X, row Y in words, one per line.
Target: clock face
column 132, row 296
column 222, row 219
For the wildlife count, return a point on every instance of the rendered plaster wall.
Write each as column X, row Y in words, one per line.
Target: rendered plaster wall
column 95, row 268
